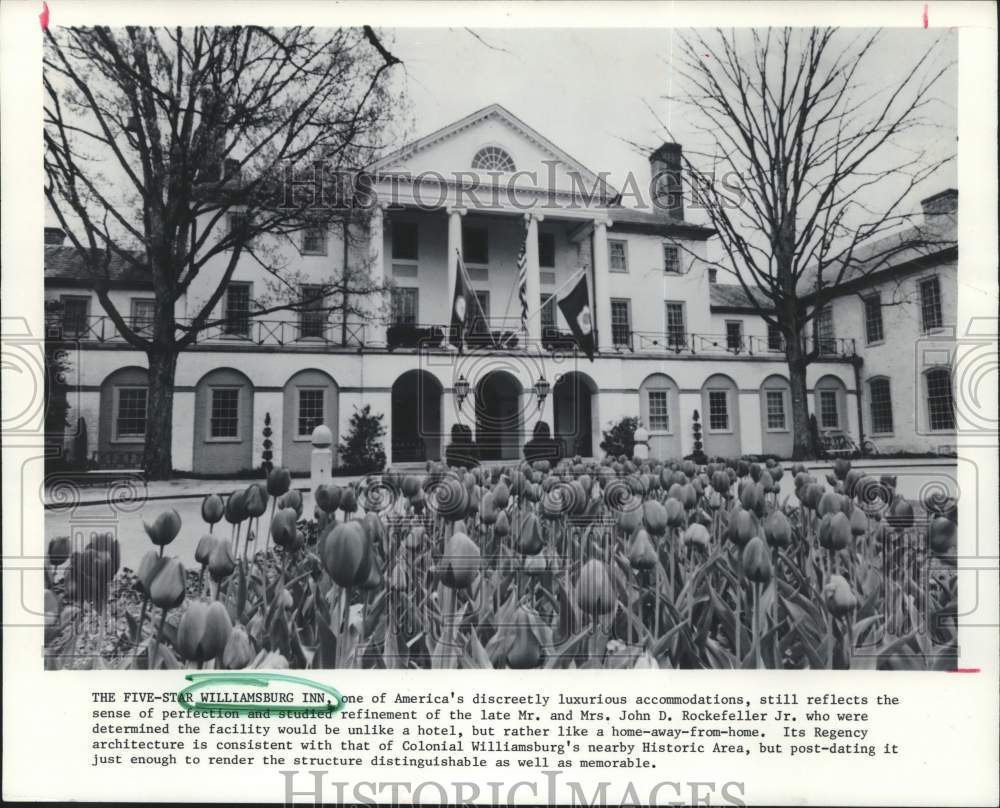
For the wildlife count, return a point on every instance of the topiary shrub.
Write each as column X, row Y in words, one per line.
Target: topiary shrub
column 619, row 438
column 697, row 454
column 267, row 454
column 362, row 451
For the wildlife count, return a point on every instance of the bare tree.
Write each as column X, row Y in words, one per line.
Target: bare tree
column 806, row 170
column 154, row 136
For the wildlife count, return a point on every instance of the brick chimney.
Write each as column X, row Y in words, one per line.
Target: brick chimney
column 943, row 203
column 54, row 237
column 666, row 187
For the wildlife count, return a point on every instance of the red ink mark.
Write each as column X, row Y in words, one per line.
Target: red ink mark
column 925, row 15
column 964, row 670
column 43, row 18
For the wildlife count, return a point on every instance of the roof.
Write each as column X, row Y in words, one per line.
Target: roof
column 508, row 117
column 65, row 266
column 933, row 239
column 645, row 221
column 732, row 296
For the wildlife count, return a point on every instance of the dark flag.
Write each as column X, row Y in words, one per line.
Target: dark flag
column 468, row 320
column 461, row 305
column 575, row 306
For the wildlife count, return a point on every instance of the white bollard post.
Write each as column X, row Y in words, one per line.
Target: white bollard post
column 321, row 468
column 641, row 450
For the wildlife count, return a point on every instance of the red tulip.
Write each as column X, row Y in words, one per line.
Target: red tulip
column 529, row 536
column 526, row 651
column 347, row 555
column 212, row 509
column 641, row 552
column 279, row 480
column 220, row 562
column 165, row 527
column 203, row 631
column 255, row 500
column 757, row 561
column 460, row 562
column 167, row 588
column 238, row 652
column 594, row 594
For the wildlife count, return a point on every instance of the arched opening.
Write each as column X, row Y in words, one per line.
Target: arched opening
column 310, row 399
column 415, row 428
column 498, row 416
column 121, row 432
column 575, row 413
column 223, row 422
column 659, row 409
column 830, row 404
column 720, row 417
column 776, row 416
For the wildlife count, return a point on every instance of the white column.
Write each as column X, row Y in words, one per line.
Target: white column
column 751, row 431
column 375, row 328
column 182, row 441
column 601, row 300
column 454, row 246
column 534, row 284
column 851, row 403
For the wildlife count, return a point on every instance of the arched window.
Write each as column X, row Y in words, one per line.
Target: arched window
column 940, row 404
column 880, row 400
column 492, row 158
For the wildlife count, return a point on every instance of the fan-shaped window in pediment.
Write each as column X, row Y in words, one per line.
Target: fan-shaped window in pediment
column 493, row 158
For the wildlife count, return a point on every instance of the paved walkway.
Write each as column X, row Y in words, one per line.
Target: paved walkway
column 134, row 487
column 189, row 488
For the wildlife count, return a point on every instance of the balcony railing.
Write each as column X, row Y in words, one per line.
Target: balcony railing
column 722, row 344
column 247, row 331
column 502, row 332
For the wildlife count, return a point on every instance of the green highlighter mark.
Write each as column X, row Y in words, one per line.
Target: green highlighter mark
column 200, row 681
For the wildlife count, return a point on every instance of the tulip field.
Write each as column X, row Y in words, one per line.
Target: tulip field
column 612, row 564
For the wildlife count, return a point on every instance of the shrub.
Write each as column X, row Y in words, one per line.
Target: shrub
column 362, row 449
column 266, row 465
column 697, row 455
column 619, row 439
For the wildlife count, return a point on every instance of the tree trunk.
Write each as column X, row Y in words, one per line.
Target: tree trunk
column 158, row 457
column 802, row 445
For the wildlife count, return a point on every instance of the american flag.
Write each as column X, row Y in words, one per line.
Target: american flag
column 522, row 280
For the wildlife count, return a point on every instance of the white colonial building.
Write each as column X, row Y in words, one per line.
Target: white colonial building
column 670, row 341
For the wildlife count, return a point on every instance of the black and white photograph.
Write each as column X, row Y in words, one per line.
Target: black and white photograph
column 352, row 398
column 620, row 357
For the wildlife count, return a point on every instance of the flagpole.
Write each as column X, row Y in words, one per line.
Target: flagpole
column 468, row 285
column 574, row 277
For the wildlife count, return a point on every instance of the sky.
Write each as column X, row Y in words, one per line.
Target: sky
column 593, row 92
column 596, row 92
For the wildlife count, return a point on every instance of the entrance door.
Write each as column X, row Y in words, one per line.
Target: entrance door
column 415, row 430
column 572, row 408
column 498, row 417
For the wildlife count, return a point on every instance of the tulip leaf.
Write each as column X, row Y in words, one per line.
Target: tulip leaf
column 568, row 650
column 166, row 658
column 817, row 660
column 475, row 655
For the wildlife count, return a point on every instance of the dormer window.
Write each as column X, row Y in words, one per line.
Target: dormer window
column 493, row 158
